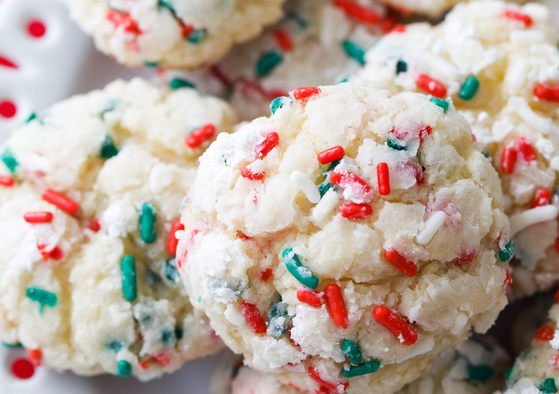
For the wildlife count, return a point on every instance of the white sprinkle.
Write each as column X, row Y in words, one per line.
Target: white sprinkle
column 555, row 341
column 520, row 221
column 554, row 163
column 526, row 37
column 179, row 234
column 306, row 185
column 234, row 316
column 432, row 226
column 325, row 206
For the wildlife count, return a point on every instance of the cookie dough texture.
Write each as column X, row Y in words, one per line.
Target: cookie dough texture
column 173, row 33
column 490, row 58
column 537, row 369
column 240, row 233
column 318, row 42
column 119, row 153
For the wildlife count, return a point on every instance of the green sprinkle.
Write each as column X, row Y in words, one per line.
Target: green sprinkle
column 147, row 223
column 129, row 285
column 397, row 145
column 168, row 337
column 326, row 185
column 354, row 51
column 179, row 332
column 31, row 117
column 484, row 153
column 199, row 299
column 278, row 319
column 171, row 271
column 179, row 83
column 124, row 369
column 9, row 160
column 508, row 373
column 507, row 253
column 278, row 103
column 480, row 373
column 43, row 297
column 149, row 64
column 12, row 345
column 352, row 351
column 548, row 386
column 111, row 105
column 293, row 15
column 401, row 67
column 115, row 346
column 268, row 62
column 166, row 4
column 469, row 88
column 296, row 268
column 108, row 148
column 196, row 36
column 441, row 103
column 361, row 369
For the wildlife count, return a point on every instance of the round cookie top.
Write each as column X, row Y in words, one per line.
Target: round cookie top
column 432, row 8
column 173, row 33
column 499, row 65
column 536, row 369
column 318, row 42
column 91, row 192
column 353, row 221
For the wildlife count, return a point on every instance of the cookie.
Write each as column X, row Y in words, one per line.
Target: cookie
column 352, row 225
column 498, row 63
column 172, row 33
column 431, row 8
column 318, row 42
column 91, row 193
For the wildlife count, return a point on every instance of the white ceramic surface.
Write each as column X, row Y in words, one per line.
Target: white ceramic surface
column 57, row 65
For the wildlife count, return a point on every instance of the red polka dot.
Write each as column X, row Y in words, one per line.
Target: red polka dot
column 36, row 28
column 23, row 369
column 7, row 109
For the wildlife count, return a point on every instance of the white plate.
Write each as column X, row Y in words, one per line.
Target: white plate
column 50, row 68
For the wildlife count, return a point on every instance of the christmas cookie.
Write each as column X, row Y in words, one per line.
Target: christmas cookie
column 346, row 241
column 173, row 33
column 91, row 192
column 499, row 65
column 319, row 42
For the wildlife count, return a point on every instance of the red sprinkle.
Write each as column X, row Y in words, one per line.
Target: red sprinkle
column 23, row 369
column 5, row 62
column 395, row 324
column 431, row 86
column 37, row 217
column 120, row 19
column 247, row 173
column 7, row 109
column 547, row 92
column 61, row 201
column 311, row 298
column 556, row 296
column 95, row 225
column 272, row 140
column 36, row 28
column 331, row 154
column 267, row 275
column 400, row 262
column 201, row 135
column 541, row 199
column 508, row 279
column 508, row 159
column 253, row 317
column 284, row 41
column 544, row 333
column 219, row 74
column 186, row 30
column 524, row 147
column 6, row 181
column 345, row 179
column 398, row 29
column 356, row 211
column 518, row 16
column 36, row 356
column 383, row 177
column 162, row 359
column 172, row 242
column 335, row 387
column 357, row 11
column 303, row 95
column 336, row 305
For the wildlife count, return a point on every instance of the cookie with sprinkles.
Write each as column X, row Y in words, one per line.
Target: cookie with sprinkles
column 91, row 194
column 172, row 33
column 432, row 8
column 499, row 65
column 536, row 370
column 476, row 367
column 319, row 42
column 347, row 240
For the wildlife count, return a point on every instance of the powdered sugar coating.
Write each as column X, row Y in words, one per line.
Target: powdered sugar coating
column 173, row 33
column 510, row 51
column 114, row 152
column 243, row 238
